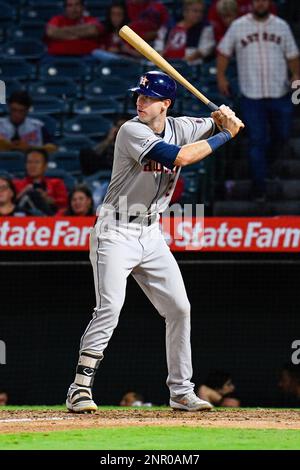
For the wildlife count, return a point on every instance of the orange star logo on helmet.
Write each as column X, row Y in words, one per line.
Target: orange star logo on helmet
column 144, row 81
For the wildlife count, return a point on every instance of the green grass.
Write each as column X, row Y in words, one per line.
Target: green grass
column 123, row 408
column 63, row 408
column 155, row 438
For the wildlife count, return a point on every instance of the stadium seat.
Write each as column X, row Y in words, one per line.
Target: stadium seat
column 5, row 173
column 27, row 29
column 128, row 70
column 42, row 11
column 7, row 15
column 193, row 107
column 295, row 145
column 98, row 184
column 48, row 105
column 113, row 87
column 191, row 187
column 30, row 49
column 51, row 124
column 68, row 179
column 68, row 161
column 76, row 142
column 33, row 3
column 102, row 105
column 96, row 8
column 19, row 69
column 60, row 87
column 92, row 125
column 66, row 68
column 12, row 162
column 12, row 85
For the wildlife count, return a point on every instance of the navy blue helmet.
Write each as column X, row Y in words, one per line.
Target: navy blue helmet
column 156, row 84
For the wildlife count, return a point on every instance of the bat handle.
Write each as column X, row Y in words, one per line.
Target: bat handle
column 212, row 106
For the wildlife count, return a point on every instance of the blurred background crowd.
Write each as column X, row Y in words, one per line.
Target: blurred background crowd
column 67, row 73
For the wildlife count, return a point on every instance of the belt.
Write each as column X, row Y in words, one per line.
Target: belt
column 137, row 218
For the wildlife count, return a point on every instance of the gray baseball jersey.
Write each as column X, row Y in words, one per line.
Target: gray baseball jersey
column 147, row 182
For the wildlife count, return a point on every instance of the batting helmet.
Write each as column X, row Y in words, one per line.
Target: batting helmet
column 156, row 84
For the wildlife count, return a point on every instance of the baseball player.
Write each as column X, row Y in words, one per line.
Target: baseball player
column 265, row 50
column 150, row 149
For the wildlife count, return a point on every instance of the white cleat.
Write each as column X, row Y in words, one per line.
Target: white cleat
column 80, row 400
column 190, row 402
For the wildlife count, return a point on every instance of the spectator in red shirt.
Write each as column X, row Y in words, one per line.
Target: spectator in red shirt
column 73, row 33
column 192, row 39
column 147, row 17
column 41, row 194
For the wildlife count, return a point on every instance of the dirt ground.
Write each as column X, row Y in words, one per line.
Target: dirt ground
column 46, row 420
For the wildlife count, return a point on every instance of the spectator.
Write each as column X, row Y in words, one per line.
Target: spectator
column 192, row 39
column 221, row 14
column 80, row 202
column 133, row 399
column 3, row 397
column 8, row 206
column 147, row 17
column 289, row 383
column 217, row 388
column 101, row 156
column 20, row 132
column 116, row 18
column 112, row 46
column 265, row 50
column 38, row 193
column 73, row 33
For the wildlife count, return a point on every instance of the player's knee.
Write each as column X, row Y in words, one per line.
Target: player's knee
column 113, row 307
column 182, row 307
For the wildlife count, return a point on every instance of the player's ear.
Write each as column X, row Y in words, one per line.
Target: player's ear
column 166, row 104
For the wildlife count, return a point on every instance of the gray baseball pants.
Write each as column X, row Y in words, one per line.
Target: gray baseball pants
column 121, row 249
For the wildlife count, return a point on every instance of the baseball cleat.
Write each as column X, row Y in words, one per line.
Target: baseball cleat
column 80, row 400
column 190, row 402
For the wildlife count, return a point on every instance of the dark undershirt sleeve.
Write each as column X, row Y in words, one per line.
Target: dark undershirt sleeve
column 163, row 153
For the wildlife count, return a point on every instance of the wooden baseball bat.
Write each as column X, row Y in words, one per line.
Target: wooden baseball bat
column 147, row 51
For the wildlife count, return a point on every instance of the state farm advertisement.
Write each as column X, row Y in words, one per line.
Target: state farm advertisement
column 278, row 234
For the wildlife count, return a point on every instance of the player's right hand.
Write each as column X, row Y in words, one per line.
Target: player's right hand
column 226, row 119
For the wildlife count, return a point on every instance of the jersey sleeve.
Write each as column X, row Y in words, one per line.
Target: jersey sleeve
column 226, row 46
column 195, row 129
column 137, row 139
column 291, row 50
